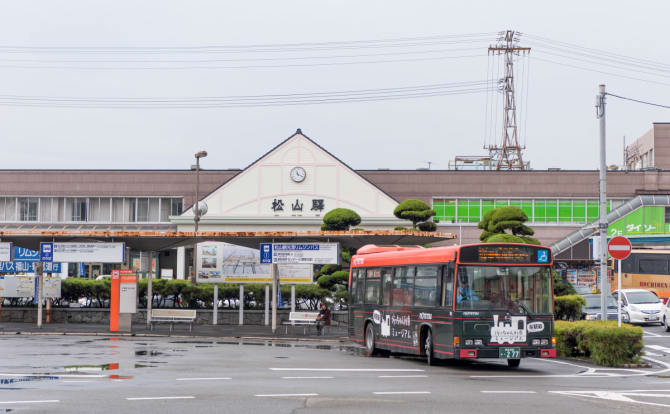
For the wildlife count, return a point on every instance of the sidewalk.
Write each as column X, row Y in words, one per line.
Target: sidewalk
column 179, row 330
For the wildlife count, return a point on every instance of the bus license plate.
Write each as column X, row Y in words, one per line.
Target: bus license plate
column 510, row 353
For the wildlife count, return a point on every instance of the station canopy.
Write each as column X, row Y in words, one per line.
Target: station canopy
column 157, row 241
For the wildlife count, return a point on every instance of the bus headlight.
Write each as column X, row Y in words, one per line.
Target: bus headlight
column 468, row 342
column 544, row 342
column 535, row 342
column 479, row 342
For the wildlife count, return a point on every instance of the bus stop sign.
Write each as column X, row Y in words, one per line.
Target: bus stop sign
column 619, row 247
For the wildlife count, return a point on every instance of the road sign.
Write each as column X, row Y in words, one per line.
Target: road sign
column 305, row 253
column 46, row 252
column 619, row 247
column 83, row 252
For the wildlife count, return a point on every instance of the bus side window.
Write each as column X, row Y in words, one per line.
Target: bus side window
column 387, row 287
column 361, row 285
column 425, row 286
column 403, row 287
column 354, row 283
column 448, row 286
column 372, row 286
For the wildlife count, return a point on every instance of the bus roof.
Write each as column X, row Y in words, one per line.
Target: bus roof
column 372, row 255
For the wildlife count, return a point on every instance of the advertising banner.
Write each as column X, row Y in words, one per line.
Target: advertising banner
column 83, row 252
column 305, row 253
column 5, row 252
column 227, row 263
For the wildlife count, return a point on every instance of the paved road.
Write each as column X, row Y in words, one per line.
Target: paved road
column 65, row 374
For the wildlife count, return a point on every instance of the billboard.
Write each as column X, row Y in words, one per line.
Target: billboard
column 305, row 253
column 227, row 263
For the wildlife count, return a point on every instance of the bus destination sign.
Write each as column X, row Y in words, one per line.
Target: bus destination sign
column 504, row 254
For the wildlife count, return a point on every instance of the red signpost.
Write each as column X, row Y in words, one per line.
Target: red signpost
column 619, row 248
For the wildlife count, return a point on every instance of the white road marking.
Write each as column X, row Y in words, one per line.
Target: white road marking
column 508, row 392
column 651, row 333
column 75, row 381
column 184, row 397
column 659, row 348
column 647, row 353
column 203, row 379
column 29, row 402
column 402, row 376
column 47, row 375
column 400, row 392
column 623, row 396
column 349, row 369
column 287, row 395
column 307, row 377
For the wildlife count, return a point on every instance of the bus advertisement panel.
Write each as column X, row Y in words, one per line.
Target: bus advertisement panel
column 473, row 301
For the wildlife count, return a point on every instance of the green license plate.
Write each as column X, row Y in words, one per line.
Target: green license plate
column 510, row 353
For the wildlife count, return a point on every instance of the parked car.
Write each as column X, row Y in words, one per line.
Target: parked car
column 641, row 305
column 591, row 311
column 666, row 315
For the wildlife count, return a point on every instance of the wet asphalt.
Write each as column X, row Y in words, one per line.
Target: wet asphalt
column 80, row 374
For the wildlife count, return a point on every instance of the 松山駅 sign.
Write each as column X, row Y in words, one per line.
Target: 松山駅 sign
column 305, row 253
column 83, row 252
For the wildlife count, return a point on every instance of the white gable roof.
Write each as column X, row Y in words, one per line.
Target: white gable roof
column 267, row 183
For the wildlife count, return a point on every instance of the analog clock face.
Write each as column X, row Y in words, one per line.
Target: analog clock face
column 298, row 174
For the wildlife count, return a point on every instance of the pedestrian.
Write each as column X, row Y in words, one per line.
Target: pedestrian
column 323, row 319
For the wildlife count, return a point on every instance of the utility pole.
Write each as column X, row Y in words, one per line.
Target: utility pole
column 508, row 156
column 602, row 224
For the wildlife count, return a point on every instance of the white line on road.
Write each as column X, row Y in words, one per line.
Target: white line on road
column 658, row 348
column 647, row 353
column 349, row 369
column 287, row 395
column 29, row 402
column 402, row 376
column 203, row 379
column 47, row 375
column 651, row 333
column 508, row 392
column 75, row 381
column 307, row 377
column 183, row 397
column 400, row 392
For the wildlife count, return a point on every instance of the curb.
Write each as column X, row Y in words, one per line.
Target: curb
column 142, row 335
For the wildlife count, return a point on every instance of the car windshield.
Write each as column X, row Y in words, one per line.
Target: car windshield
column 593, row 301
column 641, row 297
column 516, row 289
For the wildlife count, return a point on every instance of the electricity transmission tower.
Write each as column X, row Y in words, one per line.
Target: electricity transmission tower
column 508, row 156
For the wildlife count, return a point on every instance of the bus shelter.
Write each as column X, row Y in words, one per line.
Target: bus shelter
column 153, row 241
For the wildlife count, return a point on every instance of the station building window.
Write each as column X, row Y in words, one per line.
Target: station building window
column 539, row 210
column 28, row 209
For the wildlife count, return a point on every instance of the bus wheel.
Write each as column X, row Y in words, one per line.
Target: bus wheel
column 513, row 363
column 370, row 348
column 428, row 348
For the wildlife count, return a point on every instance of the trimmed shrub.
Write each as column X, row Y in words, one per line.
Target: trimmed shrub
column 568, row 307
column 400, row 228
column 340, row 219
column 601, row 341
column 427, row 226
column 415, row 211
column 562, row 288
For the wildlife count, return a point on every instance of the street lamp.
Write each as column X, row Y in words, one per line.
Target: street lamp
column 196, row 208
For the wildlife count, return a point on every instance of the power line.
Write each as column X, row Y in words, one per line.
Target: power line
column 638, row 101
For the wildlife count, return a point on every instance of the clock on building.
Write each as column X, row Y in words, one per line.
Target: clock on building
column 298, row 174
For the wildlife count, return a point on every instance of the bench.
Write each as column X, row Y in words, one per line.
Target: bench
column 304, row 319
column 173, row 316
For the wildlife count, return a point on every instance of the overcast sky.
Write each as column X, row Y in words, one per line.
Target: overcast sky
column 562, row 130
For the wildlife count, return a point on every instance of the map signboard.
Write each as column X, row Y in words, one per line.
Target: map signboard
column 17, row 286
column 227, row 263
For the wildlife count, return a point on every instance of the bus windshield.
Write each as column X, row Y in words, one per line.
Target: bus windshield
column 515, row 289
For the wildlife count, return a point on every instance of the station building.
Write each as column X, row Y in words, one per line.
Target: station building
column 293, row 185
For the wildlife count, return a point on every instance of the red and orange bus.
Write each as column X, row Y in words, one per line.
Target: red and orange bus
column 471, row 301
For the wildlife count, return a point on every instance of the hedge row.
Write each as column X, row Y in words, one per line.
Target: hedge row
column 182, row 293
column 568, row 307
column 601, row 341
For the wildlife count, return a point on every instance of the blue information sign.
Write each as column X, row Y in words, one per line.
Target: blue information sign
column 266, row 252
column 23, row 266
column 46, row 252
column 26, row 255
